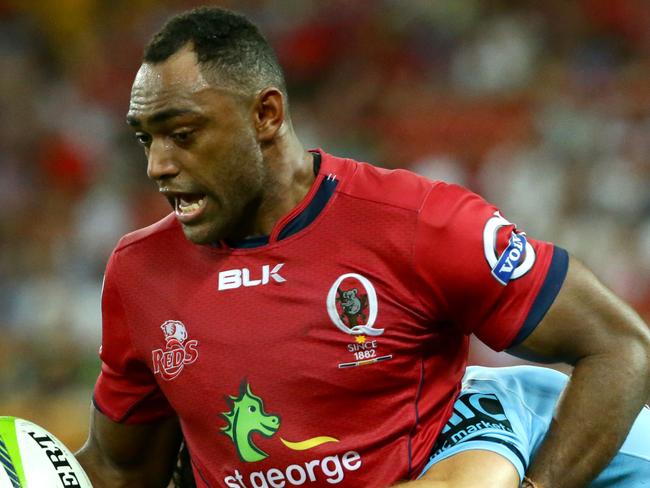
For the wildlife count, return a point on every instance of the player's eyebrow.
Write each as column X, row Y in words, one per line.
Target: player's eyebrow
column 159, row 117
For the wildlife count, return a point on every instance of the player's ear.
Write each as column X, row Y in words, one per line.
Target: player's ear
column 268, row 113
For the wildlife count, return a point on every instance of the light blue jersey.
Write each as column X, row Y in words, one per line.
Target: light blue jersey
column 508, row 411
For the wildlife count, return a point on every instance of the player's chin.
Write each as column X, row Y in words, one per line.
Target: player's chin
column 201, row 233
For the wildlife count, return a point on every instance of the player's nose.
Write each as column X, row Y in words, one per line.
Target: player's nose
column 160, row 161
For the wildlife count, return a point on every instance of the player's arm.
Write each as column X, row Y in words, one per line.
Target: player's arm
column 468, row 469
column 136, row 456
column 609, row 345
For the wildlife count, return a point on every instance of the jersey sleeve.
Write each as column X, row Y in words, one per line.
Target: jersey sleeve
column 479, row 272
column 126, row 390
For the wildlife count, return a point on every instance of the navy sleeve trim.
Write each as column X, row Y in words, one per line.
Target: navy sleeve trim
column 550, row 288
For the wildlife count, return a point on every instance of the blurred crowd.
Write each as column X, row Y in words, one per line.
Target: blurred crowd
column 541, row 107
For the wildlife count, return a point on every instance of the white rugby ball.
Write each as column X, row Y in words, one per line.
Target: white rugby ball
column 31, row 457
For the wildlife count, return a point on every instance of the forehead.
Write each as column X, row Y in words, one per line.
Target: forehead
column 174, row 82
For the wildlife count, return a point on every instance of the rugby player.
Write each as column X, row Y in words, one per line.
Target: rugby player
column 303, row 319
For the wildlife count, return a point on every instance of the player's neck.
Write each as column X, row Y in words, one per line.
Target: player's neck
column 290, row 176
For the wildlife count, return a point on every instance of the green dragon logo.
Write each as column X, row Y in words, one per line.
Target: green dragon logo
column 247, row 415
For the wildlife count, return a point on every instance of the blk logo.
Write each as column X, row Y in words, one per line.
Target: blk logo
column 236, row 278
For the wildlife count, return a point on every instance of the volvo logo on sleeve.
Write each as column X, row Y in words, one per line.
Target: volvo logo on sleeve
column 518, row 257
column 352, row 305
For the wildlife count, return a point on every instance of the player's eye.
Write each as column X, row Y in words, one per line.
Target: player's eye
column 143, row 139
column 252, row 409
column 182, row 136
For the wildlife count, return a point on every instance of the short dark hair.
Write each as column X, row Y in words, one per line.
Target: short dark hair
column 223, row 40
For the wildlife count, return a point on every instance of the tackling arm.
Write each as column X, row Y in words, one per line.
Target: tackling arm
column 609, row 345
column 468, row 469
column 118, row 455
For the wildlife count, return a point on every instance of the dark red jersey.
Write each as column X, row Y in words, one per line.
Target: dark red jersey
column 331, row 352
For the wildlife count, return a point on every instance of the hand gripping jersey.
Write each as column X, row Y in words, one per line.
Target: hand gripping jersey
column 331, row 352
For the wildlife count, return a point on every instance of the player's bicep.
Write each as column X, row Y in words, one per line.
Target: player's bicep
column 586, row 318
column 118, row 454
column 473, row 469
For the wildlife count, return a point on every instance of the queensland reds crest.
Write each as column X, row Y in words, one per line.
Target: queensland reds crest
column 352, row 305
column 178, row 352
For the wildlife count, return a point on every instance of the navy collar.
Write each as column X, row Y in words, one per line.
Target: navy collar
column 303, row 219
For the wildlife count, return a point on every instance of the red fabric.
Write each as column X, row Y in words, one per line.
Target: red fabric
column 452, row 262
column 125, row 385
column 418, row 245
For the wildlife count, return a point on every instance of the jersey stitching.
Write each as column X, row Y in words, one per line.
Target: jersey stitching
column 195, row 465
column 347, row 175
column 417, row 416
column 414, row 267
column 386, row 204
column 426, row 197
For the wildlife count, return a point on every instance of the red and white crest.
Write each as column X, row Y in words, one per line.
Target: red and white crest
column 178, row 352
column 174, row 331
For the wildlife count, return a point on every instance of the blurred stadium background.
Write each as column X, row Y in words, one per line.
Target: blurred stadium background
column 542, row 107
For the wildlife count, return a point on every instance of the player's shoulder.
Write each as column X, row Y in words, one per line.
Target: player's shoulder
column 393, row 187
column 397, row 187
column 165, row 229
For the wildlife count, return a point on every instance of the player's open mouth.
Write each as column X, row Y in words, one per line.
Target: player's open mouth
column 188, row 206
